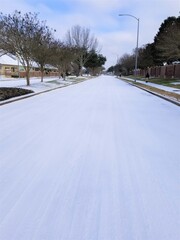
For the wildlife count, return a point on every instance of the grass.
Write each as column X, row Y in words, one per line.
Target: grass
column 161, row 92
column 77, row 79
column 10, row 92
column 161, row 81
column 7, row 92
column 54, row 82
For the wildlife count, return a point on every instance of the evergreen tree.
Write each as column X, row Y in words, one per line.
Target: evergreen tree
column 95, row 62
column 167, row 41
column 146, row 56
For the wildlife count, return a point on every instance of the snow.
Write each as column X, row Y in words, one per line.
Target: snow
column 166, row 88
column 13, row 60
column 97, row 160
column 5, row 59
column 36, row 85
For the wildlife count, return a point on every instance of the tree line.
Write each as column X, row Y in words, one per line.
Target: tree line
column 32, row 41
column 164, row 49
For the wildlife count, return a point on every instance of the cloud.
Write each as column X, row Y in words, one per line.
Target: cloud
column 117, row 35
column 97, row 5
column 8, row 6
column 115, row 44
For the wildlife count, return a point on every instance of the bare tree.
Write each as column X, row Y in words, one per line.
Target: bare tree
column 43, row 50
column 80, row 38
column 18, row 36
column 126, row 62
column 62, row 57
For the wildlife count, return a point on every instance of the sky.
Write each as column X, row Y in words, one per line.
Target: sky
column 116, row 35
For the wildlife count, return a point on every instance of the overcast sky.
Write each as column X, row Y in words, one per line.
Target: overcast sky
column 116, row 35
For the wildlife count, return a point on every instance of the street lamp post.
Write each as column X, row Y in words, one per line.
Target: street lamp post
column 136, row 51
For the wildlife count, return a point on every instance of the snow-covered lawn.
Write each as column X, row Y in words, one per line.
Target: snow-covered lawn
column 97, row 160
column 166, row 88
column 36, row 85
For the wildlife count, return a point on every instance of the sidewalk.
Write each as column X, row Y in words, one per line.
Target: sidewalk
column 169, row 89
column 35, row 83
column 167, row 93
column 48, row 84
column 52, row 82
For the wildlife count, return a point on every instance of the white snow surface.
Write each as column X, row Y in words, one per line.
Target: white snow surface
column 166, row 88
column 35, row 83
column 97, row 160
column 5, row 59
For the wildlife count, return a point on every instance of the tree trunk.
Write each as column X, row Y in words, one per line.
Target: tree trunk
column 80, row 71
column 59, row 73
column 28, row 75
column 42, row 73
column 64, row 76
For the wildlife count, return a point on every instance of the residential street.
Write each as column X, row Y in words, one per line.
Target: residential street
column 97, row 160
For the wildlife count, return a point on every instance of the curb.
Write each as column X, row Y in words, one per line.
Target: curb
column 35, row 94
column 156, row 94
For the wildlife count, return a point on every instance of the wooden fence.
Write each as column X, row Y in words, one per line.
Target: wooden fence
column 22, row 74
column 167, row 71
column 38, row 74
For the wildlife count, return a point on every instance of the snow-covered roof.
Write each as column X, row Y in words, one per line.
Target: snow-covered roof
column 50, row 67
column 5, row 59
column 13, row 60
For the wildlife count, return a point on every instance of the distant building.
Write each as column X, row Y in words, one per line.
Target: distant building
column 11, row 67
column 8, row 65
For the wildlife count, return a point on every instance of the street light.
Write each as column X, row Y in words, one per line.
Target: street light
column 136, row 58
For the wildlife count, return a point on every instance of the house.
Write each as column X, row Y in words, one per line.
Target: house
column 8, row 66
column 11, row 67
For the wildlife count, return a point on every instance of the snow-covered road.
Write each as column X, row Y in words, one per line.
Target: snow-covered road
column 94, row 161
